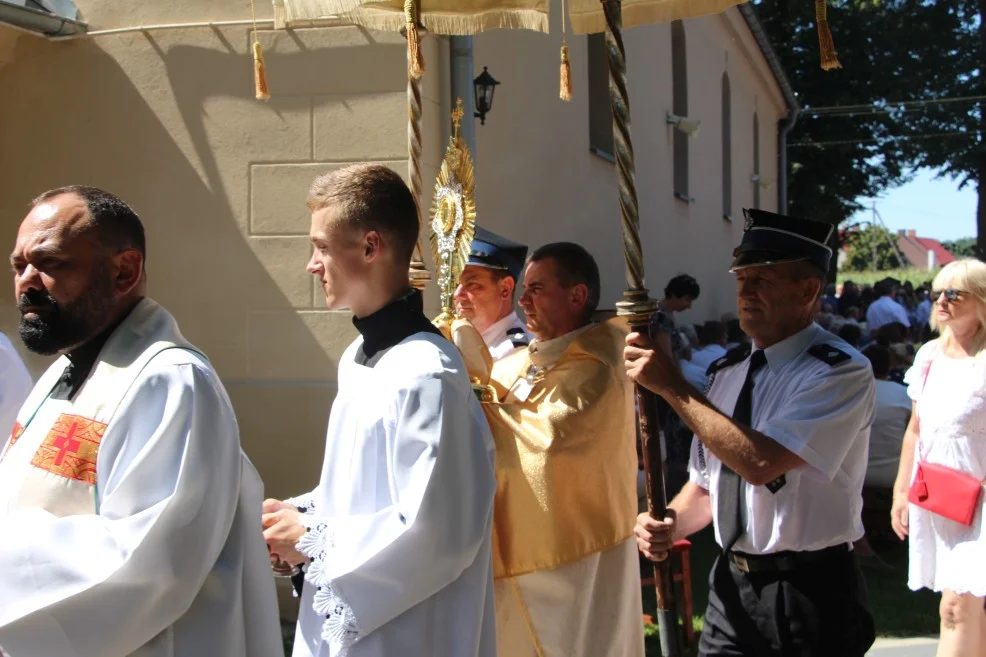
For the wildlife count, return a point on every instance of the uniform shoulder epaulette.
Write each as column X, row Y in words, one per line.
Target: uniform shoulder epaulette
column 518, row 337
column 733, row 356
column 829, row 354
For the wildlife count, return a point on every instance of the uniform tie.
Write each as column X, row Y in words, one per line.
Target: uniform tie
column 730, row 516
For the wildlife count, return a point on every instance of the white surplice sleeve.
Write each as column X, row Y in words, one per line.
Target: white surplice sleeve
column 370, row 569
column 103, row 585
column 305, row 503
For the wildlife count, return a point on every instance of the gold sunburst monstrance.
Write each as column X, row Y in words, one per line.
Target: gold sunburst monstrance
column 453, row 216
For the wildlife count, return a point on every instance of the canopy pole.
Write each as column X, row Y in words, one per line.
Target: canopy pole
column 462, row 74
column 637, row 307
column 418, row 274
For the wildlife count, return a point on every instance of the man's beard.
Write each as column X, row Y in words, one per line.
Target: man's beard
column 58, row 327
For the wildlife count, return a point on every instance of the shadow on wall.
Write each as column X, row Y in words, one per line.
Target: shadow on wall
column 173, row 128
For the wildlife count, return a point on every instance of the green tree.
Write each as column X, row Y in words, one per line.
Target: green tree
column 834, row 159
column 949, row 136
column 860, row 252
column 910, row 95
column 962, row 248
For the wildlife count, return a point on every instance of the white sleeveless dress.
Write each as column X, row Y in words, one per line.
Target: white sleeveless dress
column 951, row 403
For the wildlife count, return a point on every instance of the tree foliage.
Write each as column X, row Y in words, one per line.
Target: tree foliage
column 905, row 62
column 860, row 253
column 962, row 248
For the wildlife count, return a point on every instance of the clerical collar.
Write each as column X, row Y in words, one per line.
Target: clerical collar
column 390, row 325
column 81, row 361
column 545, row 353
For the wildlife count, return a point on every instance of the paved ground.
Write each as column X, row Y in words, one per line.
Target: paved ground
column 918, row 647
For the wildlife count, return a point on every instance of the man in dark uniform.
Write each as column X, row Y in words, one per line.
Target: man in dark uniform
column 779, row 458
column 485, row 294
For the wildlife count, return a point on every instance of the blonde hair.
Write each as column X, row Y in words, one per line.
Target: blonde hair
column 968, row 276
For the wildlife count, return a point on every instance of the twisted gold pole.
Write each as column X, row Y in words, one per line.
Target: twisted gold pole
column 414, row 137
column 637, row 306
column 418, row 274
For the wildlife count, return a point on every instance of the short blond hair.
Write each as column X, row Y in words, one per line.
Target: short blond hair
column 370, row 197
column 968, row 276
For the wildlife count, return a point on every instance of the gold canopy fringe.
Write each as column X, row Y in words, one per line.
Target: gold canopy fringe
column 586, row 16
column 826, row 45
column 447, row 18
column 279, row 15
column 455, row 24
column 463, row 17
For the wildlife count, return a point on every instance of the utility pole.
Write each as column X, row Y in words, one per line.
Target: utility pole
column 873, row 230
column 893, row 244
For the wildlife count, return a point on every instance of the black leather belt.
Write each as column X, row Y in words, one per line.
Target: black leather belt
column 783, row 561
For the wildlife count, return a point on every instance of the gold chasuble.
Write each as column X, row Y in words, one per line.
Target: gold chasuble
column 566, row 460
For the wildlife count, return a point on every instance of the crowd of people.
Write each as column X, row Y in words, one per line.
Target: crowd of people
column 479, row 494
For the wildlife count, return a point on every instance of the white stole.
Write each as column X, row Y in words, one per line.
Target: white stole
column 53, row 454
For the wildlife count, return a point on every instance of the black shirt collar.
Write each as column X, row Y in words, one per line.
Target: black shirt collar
column 390, row 325
column 81, row 361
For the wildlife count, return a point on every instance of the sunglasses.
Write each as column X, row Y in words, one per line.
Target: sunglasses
column 951, row 294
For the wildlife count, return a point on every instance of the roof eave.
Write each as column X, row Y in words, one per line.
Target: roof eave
column 749, row 15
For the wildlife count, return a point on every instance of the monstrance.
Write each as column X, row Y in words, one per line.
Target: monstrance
column 453, row 217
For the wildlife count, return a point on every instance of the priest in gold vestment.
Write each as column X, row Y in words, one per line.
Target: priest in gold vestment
column 567, row 579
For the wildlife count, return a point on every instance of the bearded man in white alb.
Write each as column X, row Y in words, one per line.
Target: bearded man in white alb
column 127, row 508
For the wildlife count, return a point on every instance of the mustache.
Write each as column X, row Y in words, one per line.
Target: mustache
column 37, row 299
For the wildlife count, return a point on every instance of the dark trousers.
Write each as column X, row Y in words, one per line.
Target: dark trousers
column 815, row 610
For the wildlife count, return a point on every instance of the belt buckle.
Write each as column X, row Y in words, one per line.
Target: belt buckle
column 740, row 562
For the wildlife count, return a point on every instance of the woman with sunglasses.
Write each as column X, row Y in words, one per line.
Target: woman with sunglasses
column 947, row 385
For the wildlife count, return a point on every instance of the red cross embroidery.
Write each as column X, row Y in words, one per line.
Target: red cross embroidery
column 67, row 443
column 71, row 447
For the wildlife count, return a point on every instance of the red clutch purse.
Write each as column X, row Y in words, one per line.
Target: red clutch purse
column 947, row 492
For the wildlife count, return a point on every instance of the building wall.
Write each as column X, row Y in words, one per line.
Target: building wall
column 167, row 120
column 537, row 180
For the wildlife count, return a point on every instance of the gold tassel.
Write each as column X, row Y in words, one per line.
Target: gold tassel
column 566, row 74
column 259, row 72
column 415, row 60
column 565, row 92
column 826, row 45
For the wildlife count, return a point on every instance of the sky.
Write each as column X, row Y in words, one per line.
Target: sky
column 933, row 207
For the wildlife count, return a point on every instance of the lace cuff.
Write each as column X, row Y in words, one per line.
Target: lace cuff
column 340, row 629
column 305, row 503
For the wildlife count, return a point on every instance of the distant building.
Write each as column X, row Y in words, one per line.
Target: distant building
column 922, row 252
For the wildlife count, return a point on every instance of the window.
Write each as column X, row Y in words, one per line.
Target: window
column 756, row 161
column 679, row 105
column 727, row 149
column 600, row 115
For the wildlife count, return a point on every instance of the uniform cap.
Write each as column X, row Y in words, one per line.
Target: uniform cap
column 771, row 239
column 495, row 252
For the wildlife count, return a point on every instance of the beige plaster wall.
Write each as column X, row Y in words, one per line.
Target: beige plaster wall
column 167, row 120
column 538, row 181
